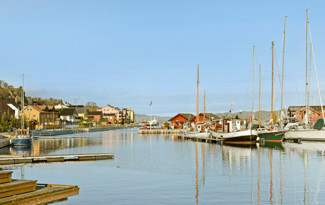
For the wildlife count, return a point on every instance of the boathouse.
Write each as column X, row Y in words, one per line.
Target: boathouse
column 299, row 112
column 182, row 119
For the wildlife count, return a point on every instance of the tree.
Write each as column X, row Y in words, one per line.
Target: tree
column 4, row 123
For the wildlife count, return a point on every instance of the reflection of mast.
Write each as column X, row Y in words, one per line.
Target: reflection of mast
column 306, row 188
column 197, row 176
column 259, row 177
column 203, row 165
column 271, row 177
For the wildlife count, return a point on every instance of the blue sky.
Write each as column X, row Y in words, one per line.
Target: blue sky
column 127, row 53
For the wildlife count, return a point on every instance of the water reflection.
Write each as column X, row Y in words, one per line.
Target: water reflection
column 194, row 172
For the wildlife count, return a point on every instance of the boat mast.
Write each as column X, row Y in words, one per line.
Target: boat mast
column 22, row 106
column 284, row 43
column 272, row 85
column 253, row 88
column 197, row 95
column 307, row 86
column 259, row 101
column 204, row 108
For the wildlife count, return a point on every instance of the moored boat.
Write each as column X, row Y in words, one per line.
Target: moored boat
column 271, row 136
column 21, row 137
column 240, row 137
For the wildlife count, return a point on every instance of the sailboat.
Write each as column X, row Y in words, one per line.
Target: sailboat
column 307, row 133
column 271, row 135
column 22, row 137
column 199, row 130
column 238, row 136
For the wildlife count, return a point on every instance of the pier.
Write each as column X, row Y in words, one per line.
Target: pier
column 29, row 192
column 160, row 131
column 10, row 159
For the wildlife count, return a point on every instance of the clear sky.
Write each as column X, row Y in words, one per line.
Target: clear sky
column 128, row 53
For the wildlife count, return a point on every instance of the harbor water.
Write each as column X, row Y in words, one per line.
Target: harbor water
column 162, row 169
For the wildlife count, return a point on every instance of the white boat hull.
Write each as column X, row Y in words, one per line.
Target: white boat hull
column 4, row 141
column 306, row 135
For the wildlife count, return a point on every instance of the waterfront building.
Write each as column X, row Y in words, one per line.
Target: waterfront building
column 182, row 119
column 298, row 113
column 110, row 117
column 6, row 110
column 96, row 115
column 42, row 116
column 81, row 111
column 69, row 115
column 15, row 109
column 108, row 109
column 208, row 116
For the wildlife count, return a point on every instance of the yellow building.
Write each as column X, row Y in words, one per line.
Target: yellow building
column 43, row 117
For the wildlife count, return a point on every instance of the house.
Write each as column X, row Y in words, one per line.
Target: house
column 15, row 109
column 6, row 110
column 298, row 113
column 69, row 115
column 110, row 117
column 208, row 116
column 182, row 119
column 96, row 115
column 42, row 116
column 81, row 111
column 108, row 109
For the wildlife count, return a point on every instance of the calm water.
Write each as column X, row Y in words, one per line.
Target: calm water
column 156, row 169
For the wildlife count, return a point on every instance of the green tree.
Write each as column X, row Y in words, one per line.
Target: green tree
column 4, row 123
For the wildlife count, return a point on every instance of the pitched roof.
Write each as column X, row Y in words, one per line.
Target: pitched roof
column 210, row 115
column 67, row 111
column 187, row 116
column 296, row 108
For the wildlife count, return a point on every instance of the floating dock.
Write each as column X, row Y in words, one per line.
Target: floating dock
column 160, row 131
column 12, row 159
column 29, row 192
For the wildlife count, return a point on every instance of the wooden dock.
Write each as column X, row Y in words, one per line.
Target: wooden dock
column 29, row 192
column 12, row 159
column 200, row 139
column 160, row 131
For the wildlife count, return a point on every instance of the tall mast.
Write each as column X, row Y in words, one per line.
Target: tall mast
column 197, row 95
column 307, row 85
column 253, row 87
column 284, row 43
column 204, row 108
column 259, row 101
column 272, row 85
column 22, row 106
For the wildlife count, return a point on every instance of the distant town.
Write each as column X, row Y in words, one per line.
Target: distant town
column 52, row 113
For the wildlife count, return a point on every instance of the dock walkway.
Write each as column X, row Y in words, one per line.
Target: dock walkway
column 29, row 192
column 12, row 159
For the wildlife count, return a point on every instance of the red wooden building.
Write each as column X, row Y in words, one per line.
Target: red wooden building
column 182, row 119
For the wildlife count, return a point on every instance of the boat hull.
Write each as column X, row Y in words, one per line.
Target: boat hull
column 22, row 142
column 4, row 142
column 312, row 135
column 241, row 137
column 271, row 136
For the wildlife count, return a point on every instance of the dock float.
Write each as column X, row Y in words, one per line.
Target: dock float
column 29, row 192
column 160, row 131
column 53, row 158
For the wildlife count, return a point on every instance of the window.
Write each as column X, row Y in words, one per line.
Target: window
column 27, row 109
column 30, row 109
column 300, row 113
column 34, row 115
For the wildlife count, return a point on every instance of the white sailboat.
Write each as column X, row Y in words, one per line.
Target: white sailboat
column 306, row 133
